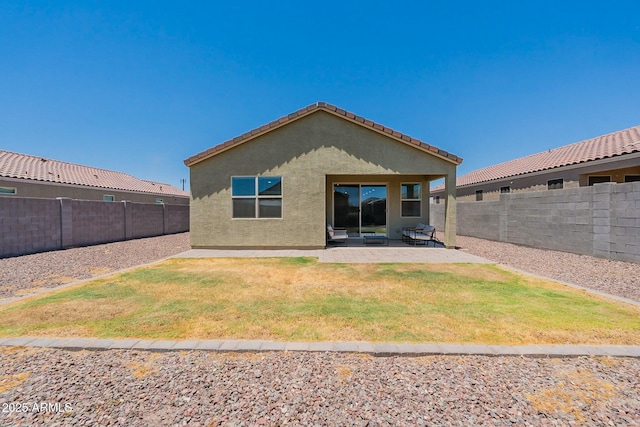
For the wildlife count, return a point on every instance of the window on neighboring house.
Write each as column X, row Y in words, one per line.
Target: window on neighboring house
column 159, row 201
column 8, row 190
column 506, row 189
column 555, row 184
column 478, row 195
column 256, row 196
column 108, row 198
column 632, row 178
column 597, row 179
column 411, row 195
column 437, row 200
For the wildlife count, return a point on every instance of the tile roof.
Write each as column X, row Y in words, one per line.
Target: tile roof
column 619, row 143
column 332, row 109
column 23, row 166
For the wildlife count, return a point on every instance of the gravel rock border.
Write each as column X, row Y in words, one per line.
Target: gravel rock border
column 202, row 389
column 28, row 273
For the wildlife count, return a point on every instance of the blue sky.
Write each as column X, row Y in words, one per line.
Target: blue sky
column 138, row 86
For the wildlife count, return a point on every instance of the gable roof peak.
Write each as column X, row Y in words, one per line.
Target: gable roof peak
column 332, row 109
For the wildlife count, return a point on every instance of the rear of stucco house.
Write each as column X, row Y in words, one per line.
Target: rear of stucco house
column 278, row 186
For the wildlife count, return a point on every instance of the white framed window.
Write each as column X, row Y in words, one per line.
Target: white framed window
column 256, row 197
column 411, row 199
column 108, row 198
column 8, row 190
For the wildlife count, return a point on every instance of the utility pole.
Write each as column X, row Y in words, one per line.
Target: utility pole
column 182, row 180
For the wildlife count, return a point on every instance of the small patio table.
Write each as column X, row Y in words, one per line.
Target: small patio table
column 373, row 240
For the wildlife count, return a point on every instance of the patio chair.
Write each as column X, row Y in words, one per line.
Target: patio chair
column 420, row 234
column 336, row 235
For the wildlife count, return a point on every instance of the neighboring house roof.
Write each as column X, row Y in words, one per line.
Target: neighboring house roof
column 332, row 109
column 619, row 143
column 23, row 166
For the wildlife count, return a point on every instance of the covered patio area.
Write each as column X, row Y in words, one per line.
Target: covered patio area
column 383, row 205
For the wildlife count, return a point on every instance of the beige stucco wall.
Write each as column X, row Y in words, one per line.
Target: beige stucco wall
column 50, row 190
column 304, row 153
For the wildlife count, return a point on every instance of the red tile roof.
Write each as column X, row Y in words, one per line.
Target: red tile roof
column 332, row 109
column 15, row 165
column 614, row 144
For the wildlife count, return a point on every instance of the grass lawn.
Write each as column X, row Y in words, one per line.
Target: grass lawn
column 292, row 299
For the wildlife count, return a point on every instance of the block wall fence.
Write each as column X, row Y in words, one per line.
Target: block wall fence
column 602, row 220
column 29, row 225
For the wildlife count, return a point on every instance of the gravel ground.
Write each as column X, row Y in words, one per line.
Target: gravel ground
column 24, row 274
column 136, row 388
column 196, row 388
column 613, row 277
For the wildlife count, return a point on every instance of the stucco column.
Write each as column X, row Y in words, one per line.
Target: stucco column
column 450, row 211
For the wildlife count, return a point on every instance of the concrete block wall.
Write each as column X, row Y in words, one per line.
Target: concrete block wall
column 96, row 222
column 178, row 218
column 624, row 222
column 29, row 225
column 147, row 220
column 483, row 222
column 603, row 220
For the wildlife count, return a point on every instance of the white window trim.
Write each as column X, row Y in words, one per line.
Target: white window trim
column 257, row 197
column 411, row 200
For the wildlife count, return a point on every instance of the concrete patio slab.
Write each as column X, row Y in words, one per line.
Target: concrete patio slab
column 396, row 252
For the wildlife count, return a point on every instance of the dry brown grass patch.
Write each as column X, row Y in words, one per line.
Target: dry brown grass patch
column 577, row 389
column 9, row 382
column 143, row 369
column 53, row 278
column 70, row 312
column 99, row 271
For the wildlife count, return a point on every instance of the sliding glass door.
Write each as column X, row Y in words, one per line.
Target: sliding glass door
column 360, row 209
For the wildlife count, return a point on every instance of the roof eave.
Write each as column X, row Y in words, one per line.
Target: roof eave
column 331, row 109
